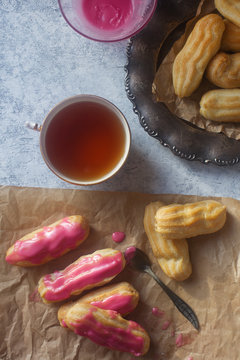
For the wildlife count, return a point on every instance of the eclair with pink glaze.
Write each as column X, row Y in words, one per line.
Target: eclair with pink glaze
column 121, row 297
column 107, row 328
column 49, row 242
column 85, row 273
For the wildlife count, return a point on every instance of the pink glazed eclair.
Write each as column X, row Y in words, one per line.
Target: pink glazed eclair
column 85, row 273
column 107, row 328
column 121, row 297
column 49, row 242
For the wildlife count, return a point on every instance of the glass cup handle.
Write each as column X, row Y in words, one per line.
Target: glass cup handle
column 33, row 126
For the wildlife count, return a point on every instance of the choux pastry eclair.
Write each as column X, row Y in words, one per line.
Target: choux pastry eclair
column 231, row 37
column 49, row 242
column 121, row 297
column 107, row 328
column 224, row 70
column 230, row 9
column 177, row 221
column 172, row 255
column 85, row 273
column 221, row 105
column 190, row 63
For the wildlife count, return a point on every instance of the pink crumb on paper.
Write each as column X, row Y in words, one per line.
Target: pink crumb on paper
column 118, row 236
column 35, row 296
column 183, row 340
column 179, row 340
column 166, row 325
column 157, row 312
column 129, row 253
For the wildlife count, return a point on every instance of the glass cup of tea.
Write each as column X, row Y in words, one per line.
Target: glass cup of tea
column 84, row 140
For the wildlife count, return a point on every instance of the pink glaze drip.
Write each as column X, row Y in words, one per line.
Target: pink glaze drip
column 118, row 236
column 183, row 340
column 50, row 242
column 157, row 312
column 90, row 270
column 120, row 303
column 166, row 325
column 129, row 253
column 110, row 336
column 64, row 323
column 179, row 340
column 107, row 14
column 35, row 296
column 190, row 358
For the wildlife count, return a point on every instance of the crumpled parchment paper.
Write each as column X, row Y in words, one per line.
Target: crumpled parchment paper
column 30, row 329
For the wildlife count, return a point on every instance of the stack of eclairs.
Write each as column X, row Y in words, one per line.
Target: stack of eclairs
column 213, row 50
column 99, row 314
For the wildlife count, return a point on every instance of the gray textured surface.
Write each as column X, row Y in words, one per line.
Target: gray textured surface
column 43, row 61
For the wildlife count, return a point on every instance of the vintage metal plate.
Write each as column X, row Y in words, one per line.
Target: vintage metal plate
column 181, row 137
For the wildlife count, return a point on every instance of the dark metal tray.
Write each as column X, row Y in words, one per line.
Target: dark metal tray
column 181, row 137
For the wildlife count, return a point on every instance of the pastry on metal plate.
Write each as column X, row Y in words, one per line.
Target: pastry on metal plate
column 230, row 9
column 171, row 254
column 87, row 272
column 188, row 220
column 231, row 37
column 190, row 63
column 107, row 328
column 221, row 105
column 224, row 70
column 120, row 297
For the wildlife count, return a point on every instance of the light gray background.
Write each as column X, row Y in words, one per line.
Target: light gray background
column 43, row 61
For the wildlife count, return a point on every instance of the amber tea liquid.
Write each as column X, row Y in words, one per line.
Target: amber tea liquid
column 85, row 141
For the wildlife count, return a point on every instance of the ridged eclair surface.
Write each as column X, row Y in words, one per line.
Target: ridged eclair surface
column 120, row 297
column 107, row 328
column 85, row 273
column 231, row 37
column 188, row 220
column 221, row 105
column 190, row 63
column 224, row 70
column 172, row 255
column 49, row 242
column 230, row 9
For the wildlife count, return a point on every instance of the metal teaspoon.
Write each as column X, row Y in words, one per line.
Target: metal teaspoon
column 138, row 260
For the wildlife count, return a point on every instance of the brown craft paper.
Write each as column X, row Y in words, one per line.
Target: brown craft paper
column 30, row 329
column 188, row 108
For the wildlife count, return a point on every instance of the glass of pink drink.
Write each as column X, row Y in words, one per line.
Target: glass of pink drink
column 107, row 20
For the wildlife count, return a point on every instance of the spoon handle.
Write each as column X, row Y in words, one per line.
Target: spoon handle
column 184, row 308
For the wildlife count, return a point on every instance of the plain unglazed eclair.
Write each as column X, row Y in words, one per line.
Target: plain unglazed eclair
column 188, row 220
column 231, row 37
column 87, row 272
column 230, row 9
column 120, row 297
column 107, row 328
column 224, row 70
column 221, row 105
column 49, row 242
column 171, row 254
column 190, row 63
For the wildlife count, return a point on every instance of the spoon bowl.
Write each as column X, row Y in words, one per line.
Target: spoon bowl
column 138, row 260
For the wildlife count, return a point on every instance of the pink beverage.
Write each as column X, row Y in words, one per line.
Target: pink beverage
column 108, row 14
column 107, row 20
